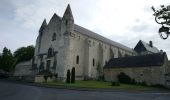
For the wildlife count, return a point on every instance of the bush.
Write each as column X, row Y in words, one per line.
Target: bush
column 73, row 75
column 123, row 78
column 115, row 84
column 158, row 86
column 68, row 76
column 142, row 84
column 45, row 78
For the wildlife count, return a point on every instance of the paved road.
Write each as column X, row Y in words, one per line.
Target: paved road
column 13, row 91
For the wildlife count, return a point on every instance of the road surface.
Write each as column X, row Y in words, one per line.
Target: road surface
column 14, row 91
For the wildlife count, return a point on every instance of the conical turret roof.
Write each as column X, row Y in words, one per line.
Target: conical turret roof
column 44, row 24
column 68, row 13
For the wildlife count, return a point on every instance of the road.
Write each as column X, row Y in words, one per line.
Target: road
column 14, row 91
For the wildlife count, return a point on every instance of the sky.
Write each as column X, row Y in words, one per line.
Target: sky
column 123, row 21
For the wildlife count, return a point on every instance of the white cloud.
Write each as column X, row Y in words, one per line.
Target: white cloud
column 125, row 21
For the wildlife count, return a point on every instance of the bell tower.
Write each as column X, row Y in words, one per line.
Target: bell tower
column 67, row 21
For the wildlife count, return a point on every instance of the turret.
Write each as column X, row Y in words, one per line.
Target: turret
column 44, row 24
column 67, row 21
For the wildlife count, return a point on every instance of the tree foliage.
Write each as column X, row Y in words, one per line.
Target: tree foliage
column 7, row 60
column 24, row 53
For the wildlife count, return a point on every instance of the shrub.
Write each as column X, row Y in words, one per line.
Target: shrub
column 73, row 75
column 68, row 76
column 142, row 84
column 115, row 84
column 45, row 78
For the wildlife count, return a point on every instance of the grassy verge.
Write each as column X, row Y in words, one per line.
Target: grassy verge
column 100, row 85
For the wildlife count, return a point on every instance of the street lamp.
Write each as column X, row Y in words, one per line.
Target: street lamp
column 164, row 32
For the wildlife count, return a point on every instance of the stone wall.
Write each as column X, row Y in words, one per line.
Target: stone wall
column 151, row 75
column 24, row 69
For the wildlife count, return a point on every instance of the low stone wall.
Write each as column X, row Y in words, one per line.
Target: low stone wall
column 40, row 78
column 150, row 75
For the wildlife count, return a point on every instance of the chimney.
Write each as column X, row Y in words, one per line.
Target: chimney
column 150, row 44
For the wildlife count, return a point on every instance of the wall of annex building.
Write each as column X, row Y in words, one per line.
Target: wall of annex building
column 151, row 75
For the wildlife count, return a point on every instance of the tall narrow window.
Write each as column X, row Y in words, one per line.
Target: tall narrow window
column 54, row 37
column 77, row 60
column 50, row 52
column 93, row 62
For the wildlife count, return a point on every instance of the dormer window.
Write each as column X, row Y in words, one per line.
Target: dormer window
column 54, row 37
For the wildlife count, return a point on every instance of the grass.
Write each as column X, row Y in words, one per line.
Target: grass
column 100, row 85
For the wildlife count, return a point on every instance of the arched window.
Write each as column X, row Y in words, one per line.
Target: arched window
column 54, row 37
column 77, row 60
column 50, row 52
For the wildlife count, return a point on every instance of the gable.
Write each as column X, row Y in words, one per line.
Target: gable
column 143, row 46
column 140, row 47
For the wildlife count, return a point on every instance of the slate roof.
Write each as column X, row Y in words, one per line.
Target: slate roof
column 99, row 37
column 156, row 59
column 148, row 47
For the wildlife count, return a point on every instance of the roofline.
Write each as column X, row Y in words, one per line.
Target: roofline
column 126, row 48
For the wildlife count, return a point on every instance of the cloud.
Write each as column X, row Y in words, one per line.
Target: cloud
column 124, row 21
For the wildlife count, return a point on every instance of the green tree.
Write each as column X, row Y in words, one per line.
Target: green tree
column 7, row 60
column 24, row 53
column 0, row 61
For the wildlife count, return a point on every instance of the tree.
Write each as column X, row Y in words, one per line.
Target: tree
column 24, row 53
column 7, row 60
column 162, row 16
column 68, row 76
column 73, row 75
column 0, row 61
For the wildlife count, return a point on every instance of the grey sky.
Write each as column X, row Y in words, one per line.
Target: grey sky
column 124, row 21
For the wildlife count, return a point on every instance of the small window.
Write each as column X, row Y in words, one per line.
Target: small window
column 93, row 62
column 77, row 60
column 54, row 37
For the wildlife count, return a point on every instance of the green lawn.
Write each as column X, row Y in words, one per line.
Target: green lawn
column 100, row 85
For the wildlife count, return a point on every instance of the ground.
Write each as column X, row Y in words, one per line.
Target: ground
column 15, row 91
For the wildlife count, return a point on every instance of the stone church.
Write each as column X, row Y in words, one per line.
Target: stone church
column 62, row 45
